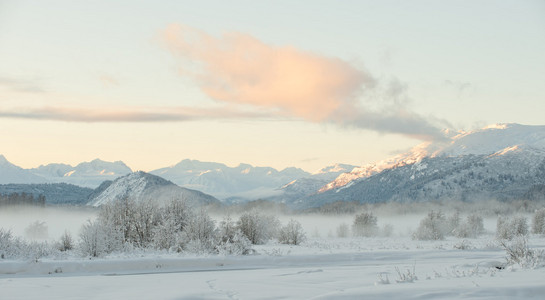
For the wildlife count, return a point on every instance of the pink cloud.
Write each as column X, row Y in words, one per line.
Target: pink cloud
column 238, row 68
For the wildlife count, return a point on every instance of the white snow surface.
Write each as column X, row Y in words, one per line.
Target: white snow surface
column 349, row 268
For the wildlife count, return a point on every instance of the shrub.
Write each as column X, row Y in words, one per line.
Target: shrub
column 292, row 233
column 432, row 227
column 509, row 228
column 471, row 228
column 453, row 222
column 538, row 222
column 238, row 244
column 66, row 242
column 258, row 228
column 200, row 233
column 97, row 240
column 518, row 252
column 365, row 224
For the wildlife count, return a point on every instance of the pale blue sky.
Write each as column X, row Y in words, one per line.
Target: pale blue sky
column 461, row 64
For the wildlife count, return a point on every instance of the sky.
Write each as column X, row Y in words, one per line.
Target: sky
column 269, row 83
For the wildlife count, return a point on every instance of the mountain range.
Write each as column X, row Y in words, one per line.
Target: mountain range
column 241, row 183
column 502, row 161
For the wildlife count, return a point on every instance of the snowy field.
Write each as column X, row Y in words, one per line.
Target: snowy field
column 346, row 268
column 323, row 267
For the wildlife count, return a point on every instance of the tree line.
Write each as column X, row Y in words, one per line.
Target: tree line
column 21, row 199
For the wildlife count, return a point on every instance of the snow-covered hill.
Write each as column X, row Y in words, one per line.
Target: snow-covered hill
column 141, row 186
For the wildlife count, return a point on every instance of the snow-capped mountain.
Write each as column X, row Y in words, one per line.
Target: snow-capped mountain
column 244, row 181
column 305, row 186
column 10, row 173
column 487, row 140
column 505, row 161
column 141, row 186
column 87, row 174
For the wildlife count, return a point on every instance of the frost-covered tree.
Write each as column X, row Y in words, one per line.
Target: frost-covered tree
column 97, row 239
column 509, row 228
column 8, row 246
column 471, row 228
column 173, row 218
column 92, row 239
column 257, row 227
column 231, row 240
column 292, row 233
column 66, row 242
column 199, row 234
column 433, row 227
column 538, row 222
column 453, row 222
column 365, row 224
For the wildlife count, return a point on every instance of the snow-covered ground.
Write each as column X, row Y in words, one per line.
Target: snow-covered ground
column 321, row 268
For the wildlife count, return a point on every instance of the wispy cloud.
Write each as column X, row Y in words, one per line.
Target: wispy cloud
column 238, row 68
column 124, row 114
column 21, row 85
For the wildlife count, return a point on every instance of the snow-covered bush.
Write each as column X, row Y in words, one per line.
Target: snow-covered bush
column 408, row 276
column 136, row 220
column 343, row 230
column 66, row 242
column 433, row 227
column 518, row 252
column 365, row 224
column 453, row 222
column 199, row 234
column 238, row 244
column 292, row 233
column 538, row 222
column 172, row 220
column 257, row 227
column 97, row 240
column 509, row 228
column 9, row 246
column 15, row 247
column 471, row 228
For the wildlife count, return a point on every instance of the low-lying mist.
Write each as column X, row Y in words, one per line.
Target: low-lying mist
column 36, row 223
column 45, row 223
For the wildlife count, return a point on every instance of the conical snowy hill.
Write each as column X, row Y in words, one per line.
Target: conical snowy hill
column 141, row 186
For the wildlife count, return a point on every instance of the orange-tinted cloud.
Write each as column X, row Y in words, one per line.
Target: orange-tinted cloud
column 238, row 68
